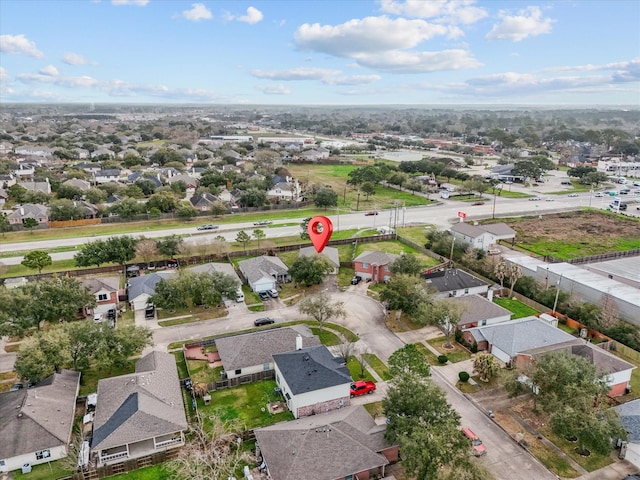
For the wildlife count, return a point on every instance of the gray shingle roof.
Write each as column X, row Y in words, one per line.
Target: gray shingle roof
column 468, row 230
column 145, row 284
column 40, row 417
column 256, row 268
column 630, row 418
column 111, row 284
column 326, row 446
column 241, row 351
column 452, row 279
column 477, row 308
column 498, row 229
column 376, row 258
column 310, row 369
column 521, row 335
column 331, row 253
column 140, row 405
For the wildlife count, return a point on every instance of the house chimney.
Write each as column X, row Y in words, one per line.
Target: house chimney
column 490, row 294
column 299, row 342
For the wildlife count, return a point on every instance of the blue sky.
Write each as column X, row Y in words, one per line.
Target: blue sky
column 324, row 52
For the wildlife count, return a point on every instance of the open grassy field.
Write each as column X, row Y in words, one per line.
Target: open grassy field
column 576, row 234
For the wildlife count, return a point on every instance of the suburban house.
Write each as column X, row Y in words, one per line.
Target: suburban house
column 106, row 176
column 203, row 201
column 341, row 444
column 630, row 418
column 191, row 182
column 477, row 310
column 30, row 210
column 330, row 253
column 506, row 340
column 374, row 266
column 284, row 192
column 77, row 183
column 252, row 352
column 105, row 290
column 37, row 423
column 482, row 236
column 521, row 341
column 139, row 289
column 452, row 282
column 140, row 413
column 264, row 273
column 312, row 380
column 504, row 173
column 4, row 196
column 31, row 186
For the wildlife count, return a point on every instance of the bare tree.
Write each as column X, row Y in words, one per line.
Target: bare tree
column 514, row 272
column 211, row 453
column 500, row 271
column 346, row 350
column 203, row 247
column 608, row 312
column 147, row 250
column 219, row 246
column 361, row 357
column 321, row 309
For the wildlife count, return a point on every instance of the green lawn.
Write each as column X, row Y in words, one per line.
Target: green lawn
column 380, row 368
column 429, row 356
column 355, row 370
column 181, row 364
column 457, row 354
column 155, row 472
column 45, row 471
column 591, row 463
column 200, row 371
column 246, row 405
column 326, row 337
column 516, row 307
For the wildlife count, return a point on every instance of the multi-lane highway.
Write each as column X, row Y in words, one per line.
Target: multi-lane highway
column 442, row 215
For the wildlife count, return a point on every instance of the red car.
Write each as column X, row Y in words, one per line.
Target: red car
column 361, row 387
column 368, row 214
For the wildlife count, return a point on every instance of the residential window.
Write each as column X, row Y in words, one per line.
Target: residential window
column 365, row 265
column 348, row 477
column 466, row 290
column 386, row 268
column 454, row 293
column 102, row 297
column 42, row 454
column 238, row 371
column 484, row 322
column 265, row 367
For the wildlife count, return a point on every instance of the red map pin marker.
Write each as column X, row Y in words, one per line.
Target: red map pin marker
column 320, row 230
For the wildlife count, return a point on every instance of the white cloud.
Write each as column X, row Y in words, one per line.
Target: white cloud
column 352, row 80
column 49, row 70
column 252, row 16
column 449, row 11
column 19, row 44
column 139, row 3
column 419, row 62
column 296, row 74
column 527, row 23
column 4, row 76
column 198, row 12
column 369, row 35
column 630, row 67
column 73, row 82
column 274, row 89
column 71, row 58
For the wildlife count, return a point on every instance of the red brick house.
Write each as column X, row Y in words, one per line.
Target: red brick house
column 105, row 290
column 374, row 266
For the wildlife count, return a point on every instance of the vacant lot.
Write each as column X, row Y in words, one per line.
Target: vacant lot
column 576, row 234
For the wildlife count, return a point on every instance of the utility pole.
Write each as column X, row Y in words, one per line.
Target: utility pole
column 358, row 202
column 555, row 302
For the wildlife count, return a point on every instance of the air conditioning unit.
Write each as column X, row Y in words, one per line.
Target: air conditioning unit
column 583, row 333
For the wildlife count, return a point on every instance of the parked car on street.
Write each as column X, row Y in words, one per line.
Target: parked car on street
column 368, row 214
column 258, row 322
column 362, row 387
column 478, row 447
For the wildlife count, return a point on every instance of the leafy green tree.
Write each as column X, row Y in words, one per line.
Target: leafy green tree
column 243, row 238
column 82, row 341
column 253, row 198
column 259, row 234
column 69, row 192
column 121, row 249
column 91, row 253
column 133, row 191
column 408, row 360
column 407, row 264
column 127, row 208
column 398, row 179
column 29, row 223
column 5, row 226
column 170, row 294
column 95, row 195
column 320, row 308
column 31, row 363
column 169, row 247
column 36, row 260
column 63, row 210
column 16, row 193
column 407, row 293
column 186, row 212
column 304, row 232
column 413, row 185
column 368, row 188
column 594, row 178
column 485, row 366
column 147, row 186
column 163, row 201
column 326, row 197
column 310, row 270
column 424, row 425
column 117, row 345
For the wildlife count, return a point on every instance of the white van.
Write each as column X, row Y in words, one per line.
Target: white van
column 239, row 296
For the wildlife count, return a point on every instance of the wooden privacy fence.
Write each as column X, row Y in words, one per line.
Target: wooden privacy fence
column 125, row 466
